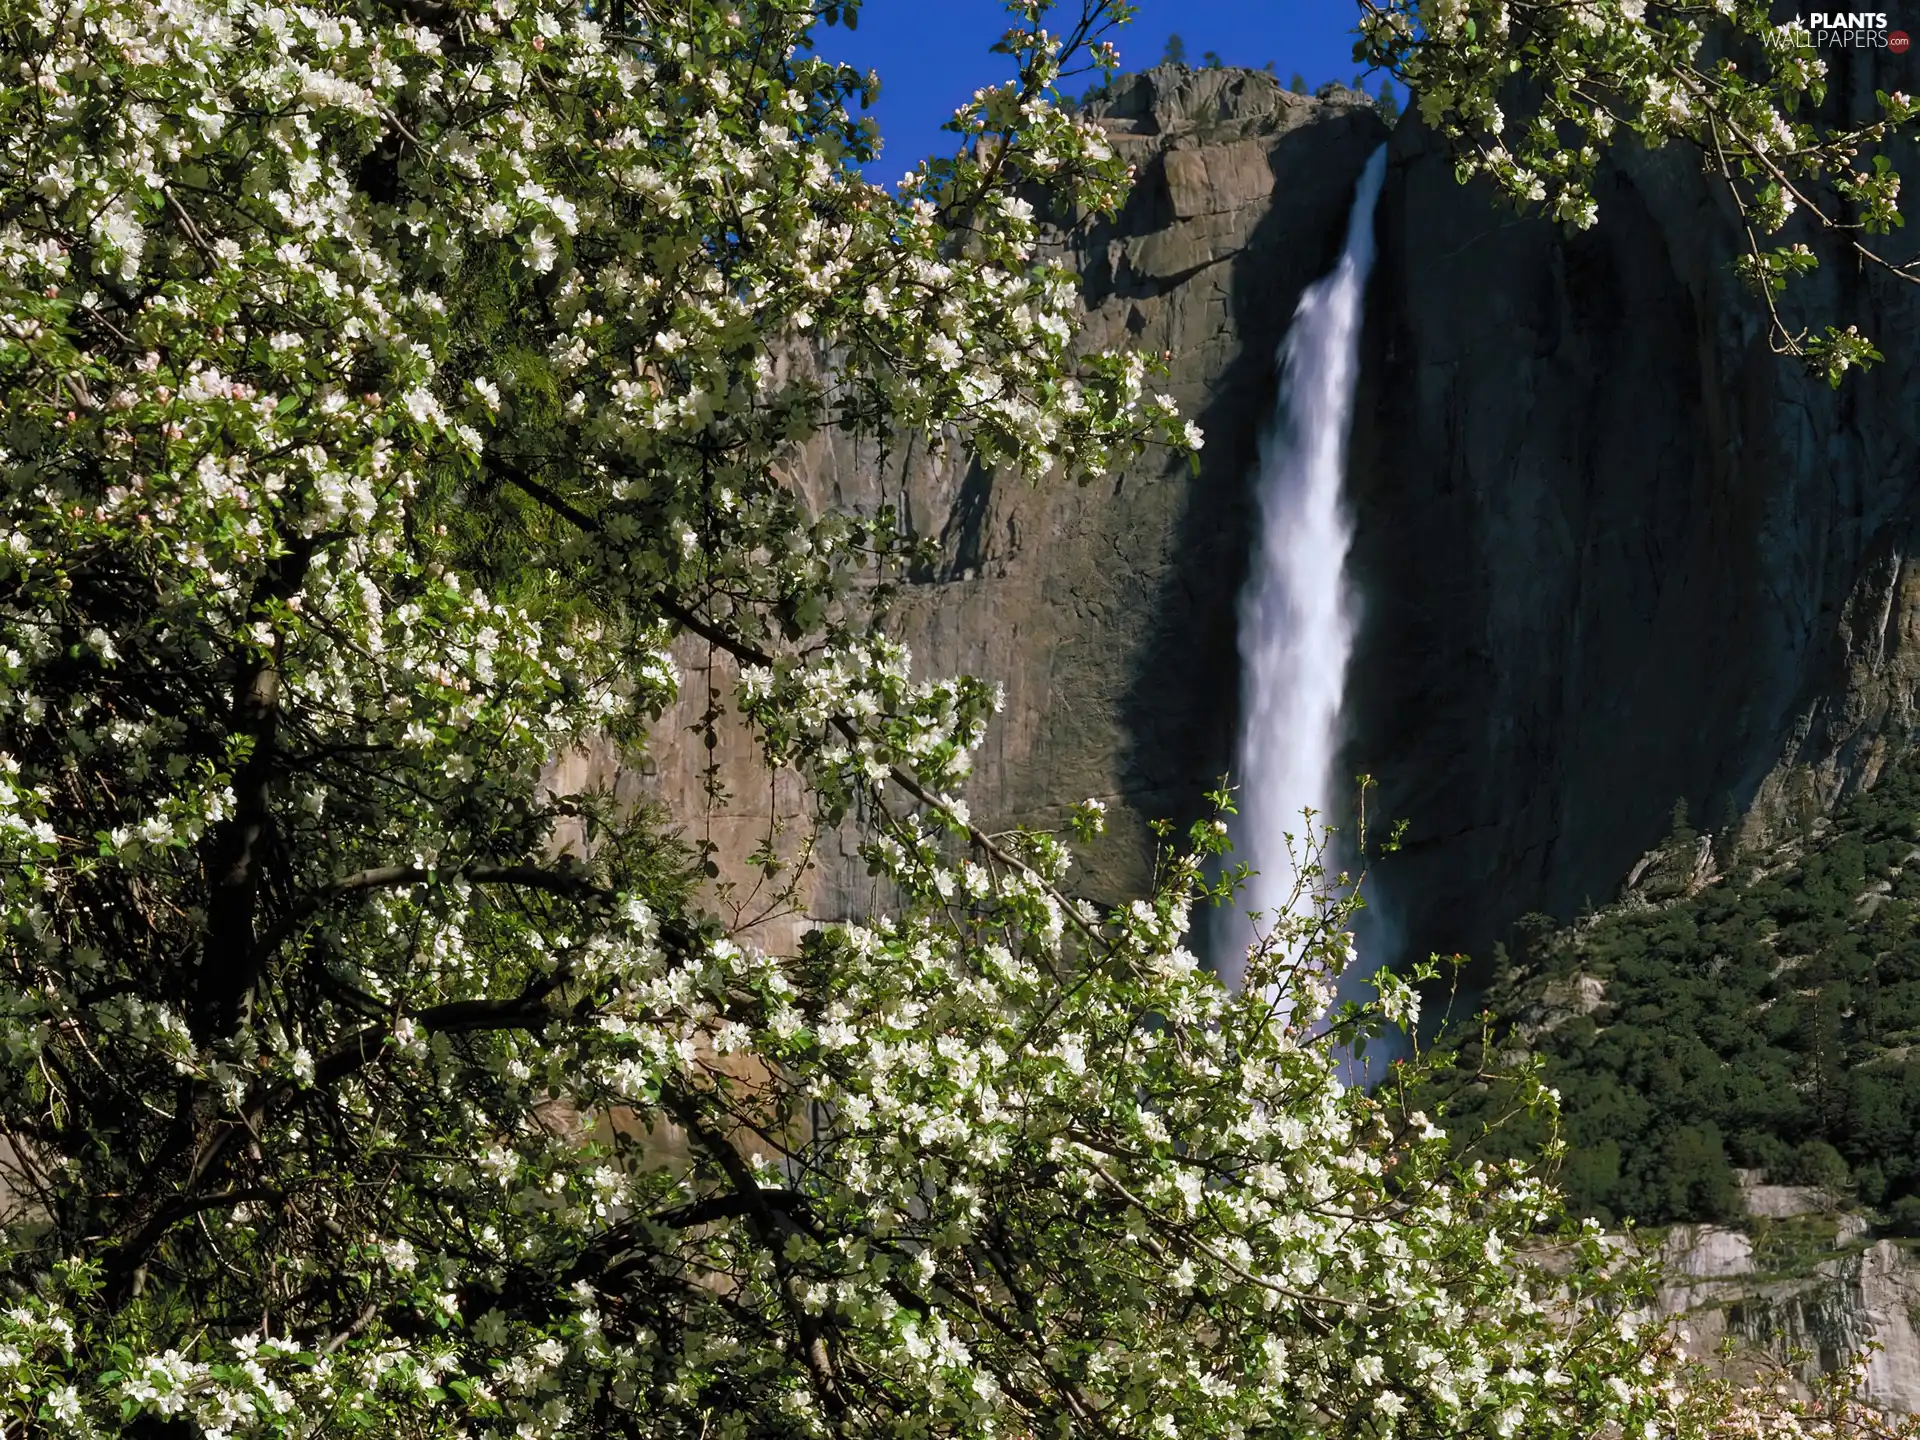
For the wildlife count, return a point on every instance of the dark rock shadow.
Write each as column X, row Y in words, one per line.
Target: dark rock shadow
column 1614, row 552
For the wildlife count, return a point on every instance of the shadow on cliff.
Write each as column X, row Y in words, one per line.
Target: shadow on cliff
column 1615, row 552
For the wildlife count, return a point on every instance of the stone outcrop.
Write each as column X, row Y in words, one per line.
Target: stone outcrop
column 1812, row 1321
column 1708, row 1252
column 1783, row 1202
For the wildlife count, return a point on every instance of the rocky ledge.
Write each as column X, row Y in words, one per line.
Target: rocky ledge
column 1791, row 1304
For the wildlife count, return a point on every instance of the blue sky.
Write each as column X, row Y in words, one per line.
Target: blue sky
column 932, row 54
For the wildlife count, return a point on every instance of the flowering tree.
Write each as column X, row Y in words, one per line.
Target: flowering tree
column 383, row 385
column 1727, row 76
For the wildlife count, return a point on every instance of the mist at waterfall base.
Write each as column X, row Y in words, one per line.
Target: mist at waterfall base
column 1297, row 613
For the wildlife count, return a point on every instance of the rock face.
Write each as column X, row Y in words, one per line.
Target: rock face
column 1812, row 1321
column 1708, row 1252
column 1613, row 551
column 1616, row 553
column 1794, row 1305
column 1107, row 612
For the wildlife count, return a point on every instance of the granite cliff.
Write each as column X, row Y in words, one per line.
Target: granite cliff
column 1105, row 610
column 1615, row 551
column 1809, row 1304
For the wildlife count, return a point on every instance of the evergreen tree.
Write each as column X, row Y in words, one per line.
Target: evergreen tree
column 1387, row 102
column 1176, row 51
column 1772, row 1004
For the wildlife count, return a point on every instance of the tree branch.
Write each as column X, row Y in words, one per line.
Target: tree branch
column 562, row 880
column 230, row 959
column 761, row 1215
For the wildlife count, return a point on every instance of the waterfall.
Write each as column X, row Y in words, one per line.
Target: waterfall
column 1296, row 616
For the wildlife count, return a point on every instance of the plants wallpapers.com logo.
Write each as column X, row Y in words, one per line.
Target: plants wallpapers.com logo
column 1855, row 30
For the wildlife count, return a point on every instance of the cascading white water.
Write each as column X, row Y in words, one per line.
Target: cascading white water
column 1296, row 615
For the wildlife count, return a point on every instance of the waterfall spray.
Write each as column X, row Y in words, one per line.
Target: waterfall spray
column 1296, row 615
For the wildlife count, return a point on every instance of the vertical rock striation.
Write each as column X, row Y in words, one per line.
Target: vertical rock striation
column 1810, row 1321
